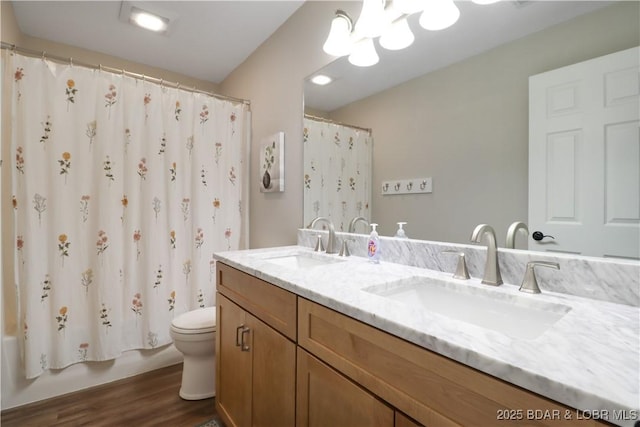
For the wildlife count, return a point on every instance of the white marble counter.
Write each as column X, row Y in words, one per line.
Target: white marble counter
column 589, row 359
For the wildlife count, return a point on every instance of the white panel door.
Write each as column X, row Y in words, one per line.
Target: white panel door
column 584, row 157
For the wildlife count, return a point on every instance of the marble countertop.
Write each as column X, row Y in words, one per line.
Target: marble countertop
column 589, row 359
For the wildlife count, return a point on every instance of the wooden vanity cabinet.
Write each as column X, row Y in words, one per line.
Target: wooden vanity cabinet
column 255, row 357
column 431, row 389
column 348, row 373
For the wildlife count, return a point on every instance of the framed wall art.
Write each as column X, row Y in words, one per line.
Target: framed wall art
column 272, row 163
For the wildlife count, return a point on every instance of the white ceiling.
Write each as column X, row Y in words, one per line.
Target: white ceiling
column 209, row 39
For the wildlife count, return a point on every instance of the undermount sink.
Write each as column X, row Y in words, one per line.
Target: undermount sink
column 302, row 260
column 518, row 316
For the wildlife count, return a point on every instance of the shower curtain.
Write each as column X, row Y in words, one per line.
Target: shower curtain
column 337, row 172
column 122, row 190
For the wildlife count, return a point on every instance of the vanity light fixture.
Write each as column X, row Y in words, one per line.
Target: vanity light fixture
column 409, row 6
column 339, row 41
column 397, row 36
column 364, row 53
column 439, row 14
column 390, row 24
column 372, row 19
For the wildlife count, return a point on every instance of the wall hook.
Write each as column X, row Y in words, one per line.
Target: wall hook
column 397, row 186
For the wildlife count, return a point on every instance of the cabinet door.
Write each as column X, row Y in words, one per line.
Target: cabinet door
column 233, row 366
column 403, row 421
column 274, row 376
column 326, row 398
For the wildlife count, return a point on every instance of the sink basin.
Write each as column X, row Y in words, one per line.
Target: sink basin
column 302, row 260
column 517, row 316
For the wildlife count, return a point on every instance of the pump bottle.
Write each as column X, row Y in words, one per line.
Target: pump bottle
column 373, row 247
column 400, row 233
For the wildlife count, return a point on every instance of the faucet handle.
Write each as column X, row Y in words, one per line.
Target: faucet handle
column 461, row 269
column 344, row 250
column 319, row 246
column 530, row 283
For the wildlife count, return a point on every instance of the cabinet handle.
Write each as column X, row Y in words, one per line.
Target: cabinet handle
column 244, row 346
column 238, row 343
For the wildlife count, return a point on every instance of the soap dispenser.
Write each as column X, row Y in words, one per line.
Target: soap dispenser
column 400, row 232
column 373, row 247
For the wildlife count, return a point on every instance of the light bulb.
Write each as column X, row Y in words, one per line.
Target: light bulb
column 364, row 53
column 338, row 42
column 439, row 14
column 371, row 21
column 397, row 36
column 408, row 6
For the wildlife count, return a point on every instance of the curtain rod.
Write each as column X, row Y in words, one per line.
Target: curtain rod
column 122, row 71
column 325, row 120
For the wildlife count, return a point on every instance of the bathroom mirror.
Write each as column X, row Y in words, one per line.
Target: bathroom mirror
column 454, row 107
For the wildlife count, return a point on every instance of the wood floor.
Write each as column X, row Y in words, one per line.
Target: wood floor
column 147, row 400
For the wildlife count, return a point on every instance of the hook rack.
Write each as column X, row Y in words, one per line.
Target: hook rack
column 407, row 186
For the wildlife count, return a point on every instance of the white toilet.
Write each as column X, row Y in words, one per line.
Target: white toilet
column 194, row 335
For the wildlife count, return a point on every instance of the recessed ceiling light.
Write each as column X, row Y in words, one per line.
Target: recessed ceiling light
column 321, row 80
column 148, row 15
column 148, row 20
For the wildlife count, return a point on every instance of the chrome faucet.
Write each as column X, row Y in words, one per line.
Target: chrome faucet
column 491, row 268
column 331, row 242
column 512, row 231
column 354, row 221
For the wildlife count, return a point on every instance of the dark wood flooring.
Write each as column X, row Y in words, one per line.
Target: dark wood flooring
column 147, row 400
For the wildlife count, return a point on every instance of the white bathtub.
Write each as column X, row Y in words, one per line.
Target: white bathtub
column 17, row 390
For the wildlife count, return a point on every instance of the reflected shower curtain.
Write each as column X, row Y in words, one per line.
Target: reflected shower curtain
column 122, row 190
column 337, row 172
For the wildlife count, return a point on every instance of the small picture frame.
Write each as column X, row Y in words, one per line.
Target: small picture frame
column 272, row 163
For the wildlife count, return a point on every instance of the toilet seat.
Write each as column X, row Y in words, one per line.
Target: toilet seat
column 200, row 321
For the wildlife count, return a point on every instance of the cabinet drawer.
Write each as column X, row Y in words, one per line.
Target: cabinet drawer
column 274, row 306
column 432, row 389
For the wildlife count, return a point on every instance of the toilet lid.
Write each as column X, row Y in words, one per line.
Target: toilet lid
column 198, row 321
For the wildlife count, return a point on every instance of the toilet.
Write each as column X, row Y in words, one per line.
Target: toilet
column 194, row 335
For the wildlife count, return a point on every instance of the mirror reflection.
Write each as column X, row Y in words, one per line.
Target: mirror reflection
column 337, row 165
column 454, row 107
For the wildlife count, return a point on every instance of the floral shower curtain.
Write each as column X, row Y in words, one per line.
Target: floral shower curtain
column 122, row 190
column 337, row 172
